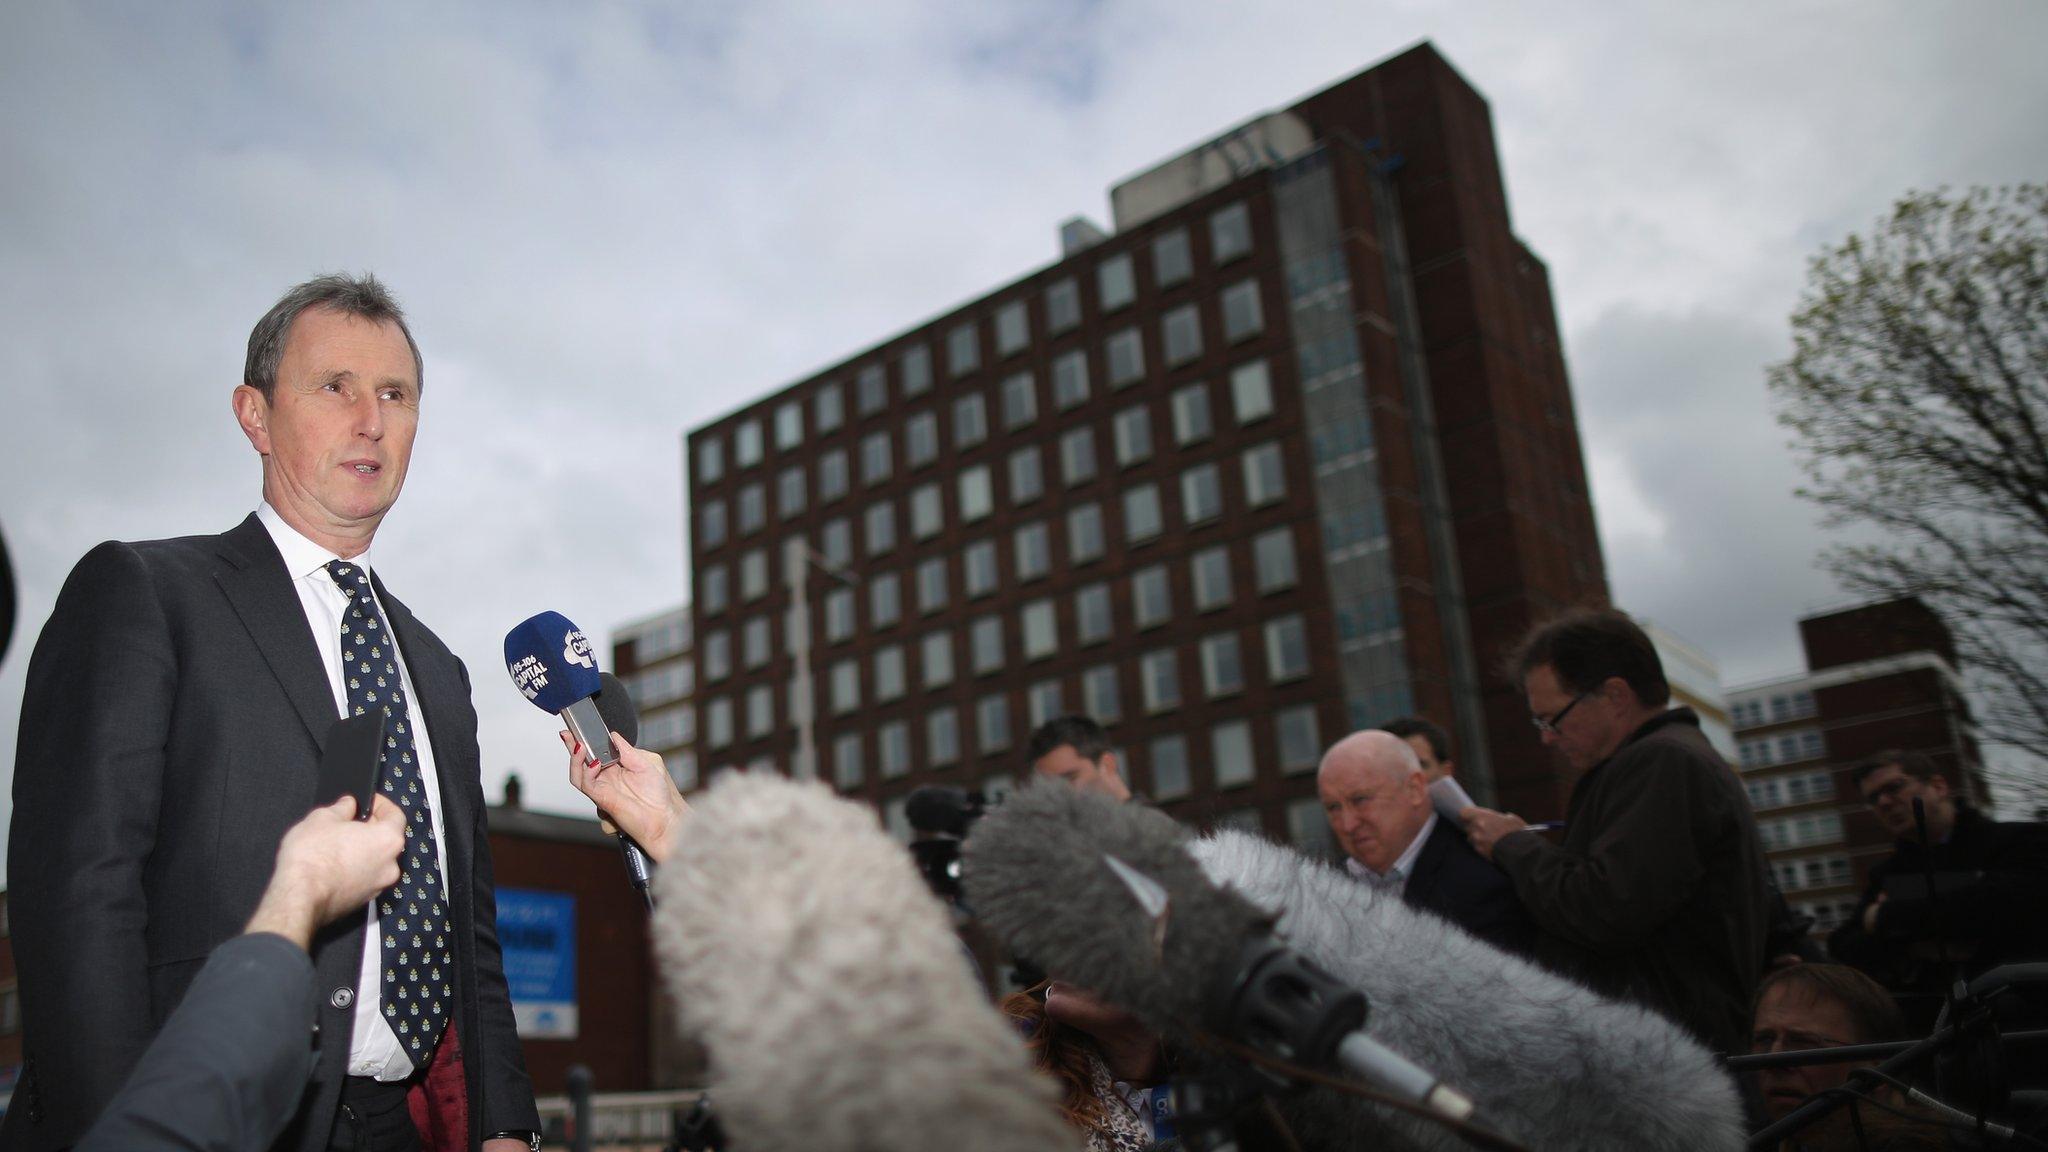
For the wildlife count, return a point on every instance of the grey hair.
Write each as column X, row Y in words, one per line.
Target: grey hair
column 363, row 297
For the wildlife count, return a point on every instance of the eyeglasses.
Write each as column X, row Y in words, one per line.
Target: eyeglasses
column 1549, row 724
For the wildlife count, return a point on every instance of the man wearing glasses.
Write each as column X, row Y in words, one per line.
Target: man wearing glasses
column 1657, row 893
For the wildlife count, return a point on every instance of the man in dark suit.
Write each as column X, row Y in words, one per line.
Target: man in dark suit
column 1377, row 799
column 170, row 734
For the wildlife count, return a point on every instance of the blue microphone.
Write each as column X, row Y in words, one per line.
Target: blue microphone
column 552, row 664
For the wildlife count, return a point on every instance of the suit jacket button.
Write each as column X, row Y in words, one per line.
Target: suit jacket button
column 342, row 998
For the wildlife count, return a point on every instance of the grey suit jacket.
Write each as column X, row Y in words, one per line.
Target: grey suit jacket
column 170, row 734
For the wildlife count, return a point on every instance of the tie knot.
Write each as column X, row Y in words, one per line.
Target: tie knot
column 349, row 576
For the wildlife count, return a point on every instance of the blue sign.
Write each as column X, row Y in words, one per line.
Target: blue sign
column 537, row 932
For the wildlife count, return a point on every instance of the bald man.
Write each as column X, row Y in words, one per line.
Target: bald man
column 1376, row 796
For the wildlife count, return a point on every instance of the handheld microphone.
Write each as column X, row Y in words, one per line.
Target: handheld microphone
column 552, row 664
column 1038, row 872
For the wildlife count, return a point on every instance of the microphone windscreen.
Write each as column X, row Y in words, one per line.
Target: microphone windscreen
column 941, row 808
column 615, row 704
column 1034, row 871
column 550, row 662
column 826, row 983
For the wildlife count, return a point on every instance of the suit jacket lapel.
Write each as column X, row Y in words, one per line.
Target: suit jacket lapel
column 260, row 591
column 1428, row 862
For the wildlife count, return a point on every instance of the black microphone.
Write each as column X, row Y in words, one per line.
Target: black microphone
column 1120, row 899
column 552, row 664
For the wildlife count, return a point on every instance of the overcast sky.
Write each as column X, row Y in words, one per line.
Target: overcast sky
column 612, row 222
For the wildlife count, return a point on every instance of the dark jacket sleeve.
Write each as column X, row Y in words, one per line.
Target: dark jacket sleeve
column 227, row 1071
column 1640, row 866
column 88, row 774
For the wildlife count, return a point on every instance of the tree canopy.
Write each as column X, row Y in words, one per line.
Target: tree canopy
column 1918, row 393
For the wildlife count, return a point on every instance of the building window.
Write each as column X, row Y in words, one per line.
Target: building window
column 1159, row 677
column 1033, row 551
column 746, row 444
column 1308, row 829
column 1171, row 261
column 885, row 600
column 710, row 459
column 1115, row 287
column 1142, row 520
column 935, row 655
column 1191, row 415
column 1027, row 478
column 1091, row 614
column 1013, row 328
column 963, row 349
column 760, row 711
column 1222, row 665
column 1132, row 428
column 1062, row 306
column 790, row 490
column 985, row 644
column 1201, row 494
column 942, row 737
column 927, row 512
column 833, row 480
column 1043, row 701
column 874, row 458
column 753, row 509
column 1210, row 569
column 970, row 420
column 978, row 568
column 992, row 724
column 879, row 526
column 977, row 497
column 1151, row 597
column 920, row 440
column 835, row 540
column 754, row 642
column 845, row 683
column 846, row 766
column 828, row 408
column 718, row 723
column 1125, row 353
column 1301, row 747
column 931, row 585
column 892, row 744
column 1273, row 556
column 1286, row 649
column 1180, row 335
column 1020, row 400
column 1251, row 391
column 1084, row 534
column 789, row 426
column 890, row 679
column 1230, row 233
column 716, row 655
column 871, row 390
column 838, row 615
column 914, row 370
column 1265, row 479
column 1243, row 315
column 753, row 575
column 713, row 589
column 1099, row 695
column 1169, row 757
column 1041, row 630
column 1077, row 456
column 1230, row 747
column 1070, row 379
column 711, row 523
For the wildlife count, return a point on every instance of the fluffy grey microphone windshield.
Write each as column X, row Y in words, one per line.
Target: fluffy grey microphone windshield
column 840, row 1015
column 1551, row 1064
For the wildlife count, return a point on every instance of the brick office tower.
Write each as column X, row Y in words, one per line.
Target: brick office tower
column 1882, row 676
column 1290, row 452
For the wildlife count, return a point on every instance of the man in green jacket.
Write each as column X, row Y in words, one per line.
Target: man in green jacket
column 1658, row 892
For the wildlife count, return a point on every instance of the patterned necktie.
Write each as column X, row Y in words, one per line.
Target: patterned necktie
column 418, row 955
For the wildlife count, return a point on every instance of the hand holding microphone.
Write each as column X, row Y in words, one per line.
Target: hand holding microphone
column 634, row 795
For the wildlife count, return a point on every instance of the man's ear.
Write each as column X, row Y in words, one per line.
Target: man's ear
column 1108, row 762
column 252, row 412
column 1938, row 784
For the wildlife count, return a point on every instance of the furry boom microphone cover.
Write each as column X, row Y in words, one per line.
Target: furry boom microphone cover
column 805, row 952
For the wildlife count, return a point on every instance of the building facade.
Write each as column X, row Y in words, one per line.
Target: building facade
column 1882, row 676
column 655, row 659
column 1289, row 451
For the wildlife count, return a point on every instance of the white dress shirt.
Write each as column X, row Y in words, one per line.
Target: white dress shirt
column 1395, row 879
column 373, row 1049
